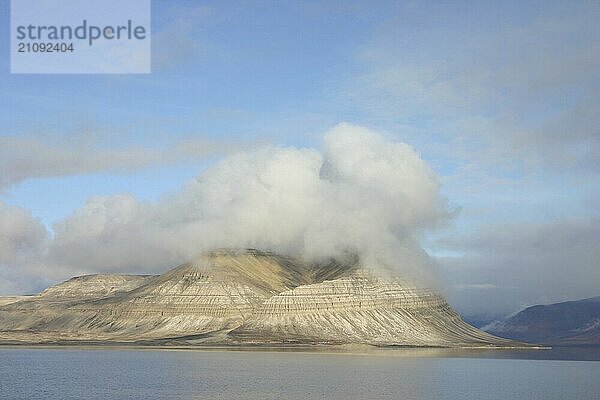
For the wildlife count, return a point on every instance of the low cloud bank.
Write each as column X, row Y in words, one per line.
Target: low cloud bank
column 507, row 267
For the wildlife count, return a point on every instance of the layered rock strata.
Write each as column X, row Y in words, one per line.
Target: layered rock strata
column 242, row 297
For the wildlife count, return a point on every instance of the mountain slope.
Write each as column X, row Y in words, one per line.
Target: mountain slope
column 95, row 286
column 568, row 323
column 362, row 308
column 4, row 300
column 242, row 297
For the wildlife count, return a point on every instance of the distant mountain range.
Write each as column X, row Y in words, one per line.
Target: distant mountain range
column 481, row 320
column 571, row 323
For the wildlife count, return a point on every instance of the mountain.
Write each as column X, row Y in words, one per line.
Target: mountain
column 11, row 299
column 568, row 323
column 242, row 297
column 481, row 320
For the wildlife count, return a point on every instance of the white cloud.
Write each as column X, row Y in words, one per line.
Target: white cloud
column 20, row 233
column 362, row 194
column 525, row 91
column 26, row 157
column 23, row 241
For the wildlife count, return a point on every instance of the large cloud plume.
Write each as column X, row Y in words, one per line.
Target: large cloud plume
column 362, row 194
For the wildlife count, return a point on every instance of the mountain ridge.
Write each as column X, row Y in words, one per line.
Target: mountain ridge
column 243, row 297
column 575, row 322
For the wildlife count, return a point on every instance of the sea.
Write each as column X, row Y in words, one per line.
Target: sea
column 107, row 373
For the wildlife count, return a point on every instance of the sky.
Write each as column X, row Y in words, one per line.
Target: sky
column 482, row 120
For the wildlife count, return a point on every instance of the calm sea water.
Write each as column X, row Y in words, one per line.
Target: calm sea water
column 72, row 373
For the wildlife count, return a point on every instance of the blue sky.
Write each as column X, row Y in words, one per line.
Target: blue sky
column 501, row 99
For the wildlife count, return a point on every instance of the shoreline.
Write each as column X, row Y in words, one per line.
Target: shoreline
column 307, row 348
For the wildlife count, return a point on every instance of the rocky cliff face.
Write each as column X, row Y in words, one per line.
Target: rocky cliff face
column 361, row 308
column 94, row 286
column 242, row 297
